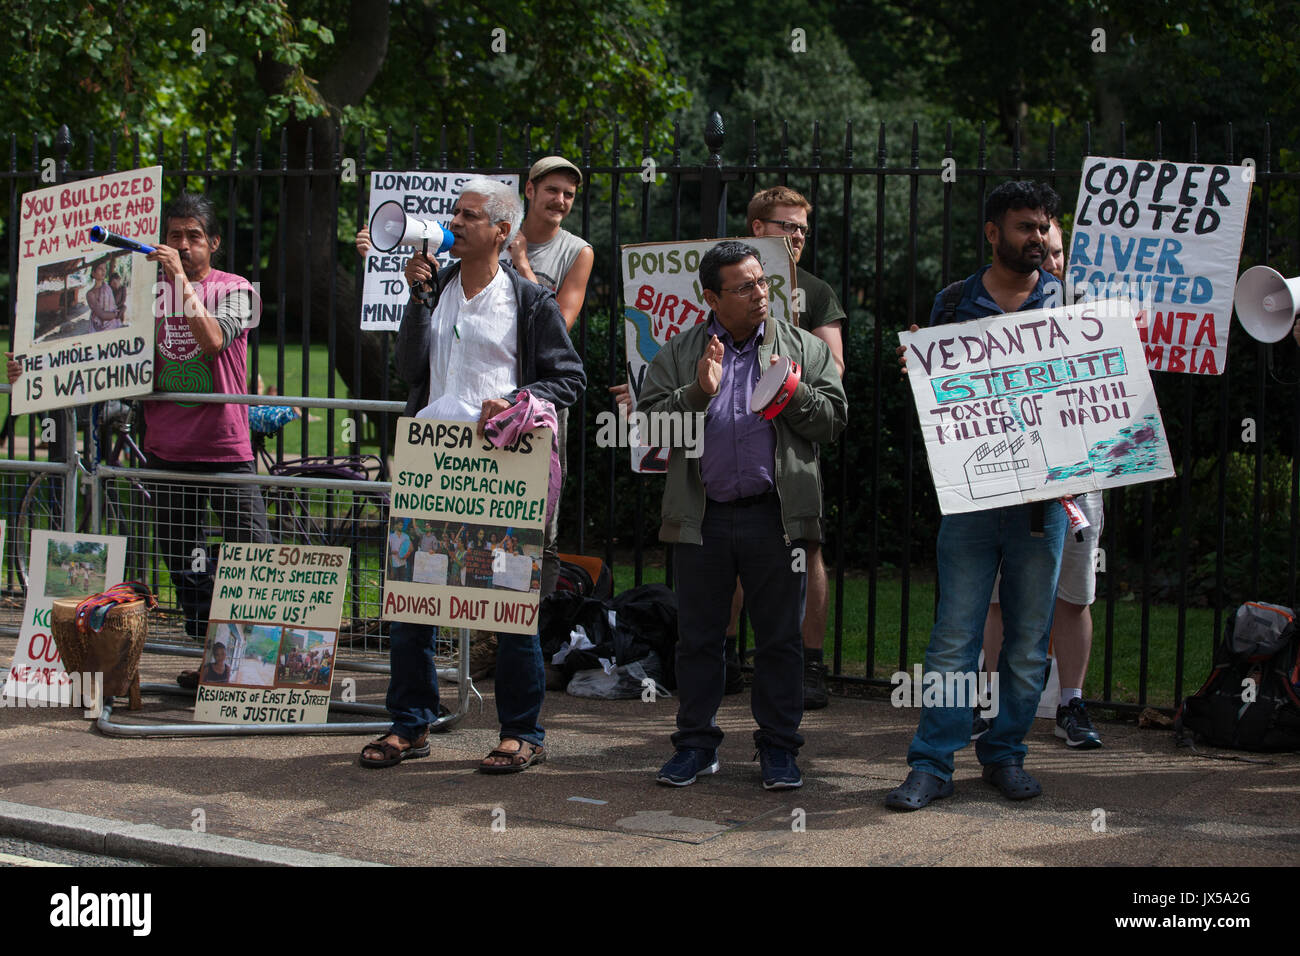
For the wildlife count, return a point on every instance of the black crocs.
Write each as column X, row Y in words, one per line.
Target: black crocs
column 917, row 791
column 1012, row 780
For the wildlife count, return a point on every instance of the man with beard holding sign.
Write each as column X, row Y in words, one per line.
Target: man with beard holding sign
column 491, row 335
column 1025, row 540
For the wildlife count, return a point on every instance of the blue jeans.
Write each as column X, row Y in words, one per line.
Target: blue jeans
column 413, row 683
column 970, row 548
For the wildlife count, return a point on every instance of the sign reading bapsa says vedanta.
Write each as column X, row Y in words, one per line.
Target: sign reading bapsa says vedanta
column 464, row 545
column 1034, row 405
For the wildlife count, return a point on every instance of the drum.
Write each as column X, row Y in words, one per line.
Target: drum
column 775, row 389
column 114, row 651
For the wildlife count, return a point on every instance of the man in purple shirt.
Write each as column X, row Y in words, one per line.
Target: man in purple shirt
column 744, row 508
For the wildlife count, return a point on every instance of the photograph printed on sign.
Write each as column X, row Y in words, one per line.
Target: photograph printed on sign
column 1030, row 406
column 472, row 555
column 240, row 653
column 83, row 295
column 76, row 569
column 306, row 658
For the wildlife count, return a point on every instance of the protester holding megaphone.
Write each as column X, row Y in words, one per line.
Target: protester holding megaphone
column 203, row 316
column 491, row 336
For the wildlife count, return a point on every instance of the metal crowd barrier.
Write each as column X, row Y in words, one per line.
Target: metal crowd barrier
column 301, row 509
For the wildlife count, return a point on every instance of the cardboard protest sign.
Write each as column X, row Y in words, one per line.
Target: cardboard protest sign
column 1169, row 234
column 61, row 565
column 1030, row 406
column 272, row 634
column 465, row 529
column 424, row 196
column 662, row 296
column 84, row 317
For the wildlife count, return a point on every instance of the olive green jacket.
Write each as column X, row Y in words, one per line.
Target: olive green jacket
column 816, row 413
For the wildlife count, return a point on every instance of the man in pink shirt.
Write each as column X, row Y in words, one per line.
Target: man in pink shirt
column 202, row 317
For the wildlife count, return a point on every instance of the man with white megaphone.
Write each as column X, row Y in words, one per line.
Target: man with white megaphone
column 1268, row 304
column 490, row 335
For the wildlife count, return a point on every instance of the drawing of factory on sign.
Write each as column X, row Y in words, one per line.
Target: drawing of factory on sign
column 1005, row 468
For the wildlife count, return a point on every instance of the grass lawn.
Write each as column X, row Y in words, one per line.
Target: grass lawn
column 1162, row 641
column 318, row 387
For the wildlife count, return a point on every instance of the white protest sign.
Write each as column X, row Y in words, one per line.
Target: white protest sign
column 422, row 195
column 272, row 634
column 1030, row 406
column 1169, row 234
column 513, row 571
column 429, row 568
column 662, row 296
column 61, row 565
column 454, row 488
column 84, row 327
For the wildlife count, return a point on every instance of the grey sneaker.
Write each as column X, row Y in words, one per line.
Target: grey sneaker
column 1074, row 726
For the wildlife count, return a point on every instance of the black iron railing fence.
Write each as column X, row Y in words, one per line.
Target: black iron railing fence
column 896, row 217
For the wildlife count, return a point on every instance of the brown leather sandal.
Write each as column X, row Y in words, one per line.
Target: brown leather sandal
column 520, row 760
column 391, row 755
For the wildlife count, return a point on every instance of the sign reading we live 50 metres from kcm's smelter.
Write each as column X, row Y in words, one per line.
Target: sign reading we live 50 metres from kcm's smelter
column 1170, row 235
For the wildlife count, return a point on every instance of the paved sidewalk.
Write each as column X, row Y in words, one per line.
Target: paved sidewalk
column 595, row 800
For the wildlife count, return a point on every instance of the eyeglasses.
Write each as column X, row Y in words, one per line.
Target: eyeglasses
column 747, row 290
column 788, row 227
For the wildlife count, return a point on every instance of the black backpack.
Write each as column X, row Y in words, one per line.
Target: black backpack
column 575, row 578
column 1249, row 701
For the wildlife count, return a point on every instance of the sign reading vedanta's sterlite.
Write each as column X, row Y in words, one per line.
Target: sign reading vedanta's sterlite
column 1030, row 406
column 1168, row 234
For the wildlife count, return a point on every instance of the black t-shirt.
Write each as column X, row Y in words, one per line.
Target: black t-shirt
column 820, row 305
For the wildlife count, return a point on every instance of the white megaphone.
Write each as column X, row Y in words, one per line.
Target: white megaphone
column 391, row 227
column 1267, row 303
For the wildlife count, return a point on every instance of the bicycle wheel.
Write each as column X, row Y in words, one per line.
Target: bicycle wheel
column 124, row 515
column 42, row 510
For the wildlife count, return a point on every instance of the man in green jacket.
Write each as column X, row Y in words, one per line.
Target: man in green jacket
column 743, row 504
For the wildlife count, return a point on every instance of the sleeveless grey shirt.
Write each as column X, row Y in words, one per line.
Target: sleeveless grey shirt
column 552, row 260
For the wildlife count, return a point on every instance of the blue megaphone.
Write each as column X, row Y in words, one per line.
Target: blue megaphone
column 100, row 234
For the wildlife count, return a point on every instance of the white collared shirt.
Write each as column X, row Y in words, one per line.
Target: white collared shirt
column 475, row 350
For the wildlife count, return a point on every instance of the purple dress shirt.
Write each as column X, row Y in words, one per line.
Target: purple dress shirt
column 739, row 454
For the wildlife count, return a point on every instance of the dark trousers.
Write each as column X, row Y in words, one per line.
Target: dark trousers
column 745, row 541
column 550, row 544
column 179, row 530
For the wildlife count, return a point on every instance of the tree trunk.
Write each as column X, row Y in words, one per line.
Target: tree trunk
column 309, row 233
